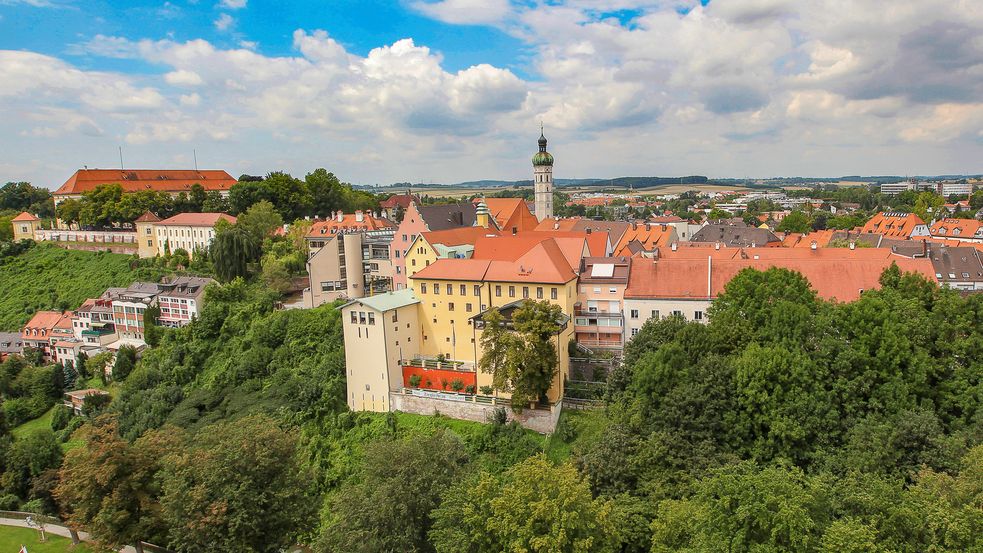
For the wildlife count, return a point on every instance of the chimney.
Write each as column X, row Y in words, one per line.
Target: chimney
column 853, row 245
column 674, row 246
column 588, row 229
column 813, row 245
column 634, row 225
column 359, row 216
column 716, row 245
column 556, row 226
column 341, row 216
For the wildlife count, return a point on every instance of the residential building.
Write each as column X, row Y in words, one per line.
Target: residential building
column 954, row 188
column 510, row 214
column 397, row 204
column 960, row 268
column 11, row 343
column 348, row 257
column 426, row 218
column 896, row 225
column 643, row 238
column 94, row 313
column 380, row 332
column 75, row 400
column 24, row 226
column 614, row 229
column 684, row 229
column 542, row 179
column 191, row 232
column 964, row 230
column 180, row 299
column 685, row 285
column 599, row 312
column 45, row 328
column 128, row 309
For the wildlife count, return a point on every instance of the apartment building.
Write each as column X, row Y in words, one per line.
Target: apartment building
column 896, row 225
column 11, row 343
column 128, row 309
column 348, row 257
column 44, row 329
column 599, row 312
column 191, row 232
column 92, row 322
column 180, row 300
column 426, row 218
column 964, row 230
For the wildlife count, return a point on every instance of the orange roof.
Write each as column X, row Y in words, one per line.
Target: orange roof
column 161, row 180
column 511, row 212
column 544, row 263
column 893, row 225
column 348, row 222
column 954, row 228
column 820, row 237
column 196, row 219
column 458, row 236
column 50, row 321
column 840, row 279
column 147, row 217
column 401, row 200
column 509, row 247
column 24, row 216
column 649, row 236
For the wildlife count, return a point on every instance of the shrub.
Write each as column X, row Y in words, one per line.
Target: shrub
column 61, row 417
column 9, row 502
column 469, row 389
column 498, row 416
column 486, row 390
column 415, row 381
column 429, row 383
column 22, row 409
column 457, row 384
column 443, row 383
column 66, row 433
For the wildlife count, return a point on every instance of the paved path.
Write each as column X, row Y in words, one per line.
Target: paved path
column 56, row 530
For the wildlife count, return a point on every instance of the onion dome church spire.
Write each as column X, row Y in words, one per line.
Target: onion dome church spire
column 542, row 178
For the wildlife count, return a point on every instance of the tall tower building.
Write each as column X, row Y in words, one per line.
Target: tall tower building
column 542, row 180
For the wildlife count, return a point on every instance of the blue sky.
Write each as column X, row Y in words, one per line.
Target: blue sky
column 453, row 90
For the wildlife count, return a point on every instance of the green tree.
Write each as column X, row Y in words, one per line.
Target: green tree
column 28, row 457
column 534, row 506
column 238, row 486
column 796, row 221
column 111, row 488
column 388, row 506
column 260, row 220
column 233, row 250
column 126, row 361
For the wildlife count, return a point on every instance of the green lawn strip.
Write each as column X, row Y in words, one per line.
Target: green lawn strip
column 41, row 423
column 12, row 538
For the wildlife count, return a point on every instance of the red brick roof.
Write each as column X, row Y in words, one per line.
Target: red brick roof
column 402, row 200
column 49, row 321
column 348, row 222
column 544, row 263
column 839, row 279
column 893, row 225
column 954, row 228
column 147, row 217
column 24, row 216
column 649, row 236
column 458, row 236
column 196, row 219
column 161, row 180
column 511, row 212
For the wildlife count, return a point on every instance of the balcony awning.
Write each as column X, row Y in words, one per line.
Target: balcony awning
column 508, row 310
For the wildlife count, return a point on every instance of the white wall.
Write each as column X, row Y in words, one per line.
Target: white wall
column 690, row 309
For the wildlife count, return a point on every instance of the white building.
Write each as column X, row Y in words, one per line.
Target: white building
column 542, row 177
column 188, row 231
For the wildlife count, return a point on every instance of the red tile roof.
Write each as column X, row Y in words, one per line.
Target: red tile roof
column 402, row 200
column 349, row 222
column 511, row 212
column 135, row 180
column 648, row 236
column 840, row 279
column 147, row 217
column 893, row 225
column 458, row 236
column 196, row 219
column 49, row 321
column 544, row 263
column 954, row 228
column 24, row 216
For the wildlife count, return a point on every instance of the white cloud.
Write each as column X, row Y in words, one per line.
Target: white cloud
column 183, row 77
column 232, row 4
column 466, row 12
column 224, row 22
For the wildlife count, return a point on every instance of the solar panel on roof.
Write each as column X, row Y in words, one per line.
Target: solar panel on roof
column 602, row 270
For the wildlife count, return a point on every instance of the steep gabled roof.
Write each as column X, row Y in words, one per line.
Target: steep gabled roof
column 147, row 217
column 511, row 213
column 24, row 217
column 544, row 263
column 442, row 217
column 348, row 222
column 135, row 180
column 955, row 228
column 893, row 225
column 734, row 235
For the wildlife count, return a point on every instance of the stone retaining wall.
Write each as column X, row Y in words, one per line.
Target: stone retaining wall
column 539, row 420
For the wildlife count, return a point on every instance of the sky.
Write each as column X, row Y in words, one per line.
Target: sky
column 454, row 90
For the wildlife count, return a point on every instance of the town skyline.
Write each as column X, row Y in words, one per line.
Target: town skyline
column 454, row 91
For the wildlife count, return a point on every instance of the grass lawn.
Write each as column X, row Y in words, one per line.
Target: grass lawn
column 12, row 538
column 31, row 426
column 576, row 430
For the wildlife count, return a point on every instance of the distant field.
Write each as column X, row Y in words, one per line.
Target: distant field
column 666, row 189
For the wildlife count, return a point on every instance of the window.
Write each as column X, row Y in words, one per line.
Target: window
column 450, row 306
column 597, row 289
column 477, row 290
column 553, row 293
column 613, row 290
column 498, row 291
column 354, row 318
column 450, row 289
column 436, row 288
column 464, row 289
column 525, row 292
column 677, row 313
column 539, row 292
column 404, row 238
column 697, row 315
column 371, row 318
column 361, row 317
column 655, row 314
column 397, row 254
column 634, row 331
column 399, row 270
column 150, row 242
column 423, row 287
column 511, row 291
column 634, row 313
column 467, row 307
column 395, row 319
column 413, row 262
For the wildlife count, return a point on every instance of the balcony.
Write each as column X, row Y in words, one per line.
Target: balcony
column 445, row 375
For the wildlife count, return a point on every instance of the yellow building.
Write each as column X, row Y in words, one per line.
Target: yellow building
column 24, row 226
column 147, row 245
column 454, row 291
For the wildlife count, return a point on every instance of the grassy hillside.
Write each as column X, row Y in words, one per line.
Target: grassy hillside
column 49, row 277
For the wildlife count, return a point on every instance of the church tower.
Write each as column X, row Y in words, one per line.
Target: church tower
column 542, row 180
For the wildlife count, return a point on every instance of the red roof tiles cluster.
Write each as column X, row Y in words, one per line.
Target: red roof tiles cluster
column 134, row 180
column 346, row 222
column 544, row 262
column 893, row 225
